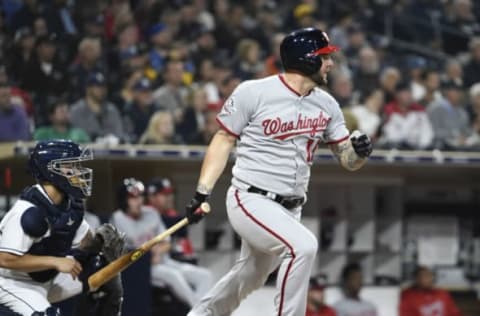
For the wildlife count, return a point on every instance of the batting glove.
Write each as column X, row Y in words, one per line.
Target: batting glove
column 362, row 144
column 193, row 211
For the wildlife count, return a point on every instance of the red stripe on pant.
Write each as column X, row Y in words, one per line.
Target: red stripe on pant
column 284, row 281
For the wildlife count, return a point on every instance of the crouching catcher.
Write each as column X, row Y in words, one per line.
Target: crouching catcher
column 47, row 250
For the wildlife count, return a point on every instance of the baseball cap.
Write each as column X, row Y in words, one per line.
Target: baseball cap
column 303, row 10
column 317, row 283
column 156, row 28
column 96, row 79
column 160, row 185
column 142, row 85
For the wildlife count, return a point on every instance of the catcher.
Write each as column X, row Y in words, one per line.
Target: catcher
column 46, row 246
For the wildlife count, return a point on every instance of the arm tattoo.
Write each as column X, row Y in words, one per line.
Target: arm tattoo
column 347, row 156
column 203, row 189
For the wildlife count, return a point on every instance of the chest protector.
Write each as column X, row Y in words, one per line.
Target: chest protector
column 63, row 222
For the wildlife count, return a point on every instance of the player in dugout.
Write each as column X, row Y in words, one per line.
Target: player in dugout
column 316, row 305
column 422, row 298
column 141, row 223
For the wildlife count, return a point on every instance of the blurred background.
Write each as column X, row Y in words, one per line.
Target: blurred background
column 141, row 82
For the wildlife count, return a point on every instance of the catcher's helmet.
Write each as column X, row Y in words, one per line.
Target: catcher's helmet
column 59, row 163
column 130, row 187
column 301, row 49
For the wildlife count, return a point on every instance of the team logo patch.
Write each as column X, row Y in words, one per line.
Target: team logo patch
column 229, row 106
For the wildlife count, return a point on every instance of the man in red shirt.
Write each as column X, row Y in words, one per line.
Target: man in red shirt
column 423, row 299
column 315, row 300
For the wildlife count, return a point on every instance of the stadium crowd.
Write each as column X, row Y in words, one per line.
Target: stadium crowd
column 157, row 72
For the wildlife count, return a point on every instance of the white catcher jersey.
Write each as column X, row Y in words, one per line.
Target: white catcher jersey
column 278, row 132
column 15, row 241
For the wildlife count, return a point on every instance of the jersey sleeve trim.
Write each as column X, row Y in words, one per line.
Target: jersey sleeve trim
column 226, row 129
column 333, row 142
column 11, row 250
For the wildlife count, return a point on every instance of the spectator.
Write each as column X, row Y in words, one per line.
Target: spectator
column 170, row 96
column 449, row 118
column 25, row 15
column 161, row 130
column 453, row 72
column 93, row 26
column 422, row 298
column 139, row 112
column 389, row 79
column 249, row 64
column 227, row 86
column 231, row 25
column 461, row 25
column 352, row 304
column 211, row 127
column 141, row 223
column 406, row 122
column 342, row 89
column 124, row 97
column 316, row 305
column 304, row 15
column 95, row 115
column 366, row 77
column 44, row 76
column 40, row 27
column 206, row 78
column 368, row 113
column 193, row 122
column 416, row 66
column 472, row 68
column 205, row 46
column 474, row 113
column 431, row 82
column 59, row 127
column 21, row 53
column 356, row 42
column 60, row 19
column 161, row 196
column 14, row 123
column 160, row 37
column 273, row 64
column 88, row 61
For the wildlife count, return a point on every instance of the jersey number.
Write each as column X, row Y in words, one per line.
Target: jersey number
column 312, row 145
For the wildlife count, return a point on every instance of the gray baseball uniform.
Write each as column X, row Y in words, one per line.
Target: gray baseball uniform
column 175, row 274
column 278, row 132
column 353, row 307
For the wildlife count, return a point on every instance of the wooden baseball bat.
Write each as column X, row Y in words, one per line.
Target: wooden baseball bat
column 105, row 274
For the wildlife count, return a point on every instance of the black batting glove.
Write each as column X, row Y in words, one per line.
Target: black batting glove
column 362, row 144
column 193, row 211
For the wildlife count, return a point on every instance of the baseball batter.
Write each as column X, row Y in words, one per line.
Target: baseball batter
column 277, row 123
column 45, row 243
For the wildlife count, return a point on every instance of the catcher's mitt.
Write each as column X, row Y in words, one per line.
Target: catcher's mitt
column 111, row 240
